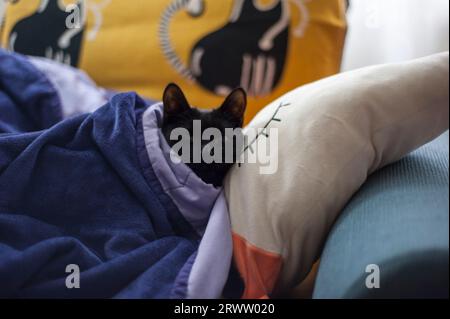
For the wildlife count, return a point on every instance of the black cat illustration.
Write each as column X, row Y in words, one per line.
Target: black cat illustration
column 49, row 33
column 249, row 51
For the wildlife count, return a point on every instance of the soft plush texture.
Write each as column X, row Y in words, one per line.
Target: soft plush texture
column 99, row 190
column 206, row 46
column 399, row 220
column 332, row 135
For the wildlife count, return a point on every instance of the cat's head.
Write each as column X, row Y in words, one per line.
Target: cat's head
column 230, row 115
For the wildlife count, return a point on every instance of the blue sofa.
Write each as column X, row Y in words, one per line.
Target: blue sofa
column 399, row 221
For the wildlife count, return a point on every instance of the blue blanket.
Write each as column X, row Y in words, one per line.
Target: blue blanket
column 82, row 191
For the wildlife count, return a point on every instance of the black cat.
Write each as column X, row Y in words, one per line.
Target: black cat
column 46, row 34
column 249, row 51
column 235, row 54
column 179, row 114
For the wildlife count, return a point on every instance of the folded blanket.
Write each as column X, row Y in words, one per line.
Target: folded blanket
column 98, row 190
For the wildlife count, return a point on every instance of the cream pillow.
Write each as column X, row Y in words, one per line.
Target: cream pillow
column 331, row 135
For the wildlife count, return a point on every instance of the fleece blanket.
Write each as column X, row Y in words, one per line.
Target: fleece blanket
column 90, row 204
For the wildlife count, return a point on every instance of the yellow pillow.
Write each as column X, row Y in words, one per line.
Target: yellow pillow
column 207, row 46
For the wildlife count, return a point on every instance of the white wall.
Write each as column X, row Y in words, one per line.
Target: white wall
column 382, row 31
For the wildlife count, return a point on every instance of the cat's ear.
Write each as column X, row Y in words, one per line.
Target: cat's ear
column 174, row 100
column 235, row 105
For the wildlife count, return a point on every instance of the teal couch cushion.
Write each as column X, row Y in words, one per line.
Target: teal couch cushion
column 399, row 221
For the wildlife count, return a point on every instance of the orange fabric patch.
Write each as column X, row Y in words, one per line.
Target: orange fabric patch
column 258, row 268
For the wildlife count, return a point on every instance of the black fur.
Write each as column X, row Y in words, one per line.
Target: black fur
column 179, row 114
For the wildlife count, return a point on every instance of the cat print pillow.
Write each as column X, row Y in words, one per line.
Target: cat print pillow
column 267, row 47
